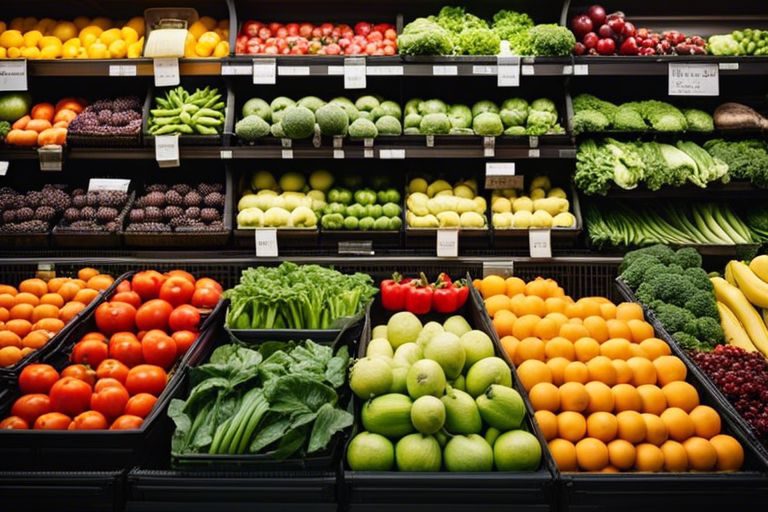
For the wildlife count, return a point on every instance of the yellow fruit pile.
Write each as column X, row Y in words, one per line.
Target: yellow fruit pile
column 608, row 395
column 207, row 38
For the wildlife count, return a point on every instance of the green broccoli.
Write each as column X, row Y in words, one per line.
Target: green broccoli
column 746, row 159
column 688, row 342
column 660, row 251
column 551, row 40
column 673, row 318
column 699, row 277
column 702, row 304
column 670, row 288
column 698, row 120
column 589, row 121
column 634, row 275
column 707, row 330
column 629, row 120
column 688, row 257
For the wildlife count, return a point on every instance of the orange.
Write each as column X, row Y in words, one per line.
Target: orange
column 621, row 454
column 545, row 396
column 649, row 457
column 564, row 453
column 679, row 425
column 492, row 285
column 618, row 329
column 573, row 332
column 653, row 399
column 49, row 324
column 626, row 398
column 524, row 325
column 19, row 326
column 555, row 305
column 643, row 371
column 576, row 371
column 730, row 454
column 602, row 426
column 586, row 349
column 10, row 356
column 497, row 303
column 27, row 298
column 655, row 429
column 516, row 303
column 547, row 421
column 640, row 329
column 597, row 327
column 600, row 397
column 36, row 339
column 559, row 318
column 530, row 348
column 559, row 347
column 546, row 329
column 616, row 348
column 706, row 421
column 573, row 397
column 514, row 285
column 26, row 351
column 675, row 457
column 7, row 300
column 79, row 282
column 631, row 426
column 4, row 314
column 98, row 282
column 53, row 299
column 601, row 369
column 9, row 339
column 85, row 296
column 532, row 372
column 629, row 311
column 590, row 306
column 557, row 367
column 669, row 369
column 509, row 343
column 574, row 310
column 86, row 273
column 576, row 321
column 681, row 394
column 591, row 454
column 477, row 283
column 533, row 305
column 571, row 426
column 503, row 322
column 623, row 371
column 68, row 290
column 608, row 310
column 35, row 286
column 44, row 311
column 654, row 348
column 637, row 351
column 8, row 289
column 537, row 287
column 70, row 309
column 55, row 283
column 701, row 454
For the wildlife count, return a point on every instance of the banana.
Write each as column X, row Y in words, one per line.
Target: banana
column 753, row 287
column 759, row 266
column 735, row 300
column 729, row 274
column 734, row 332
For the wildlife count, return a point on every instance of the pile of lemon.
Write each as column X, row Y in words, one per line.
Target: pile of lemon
column 207, row 38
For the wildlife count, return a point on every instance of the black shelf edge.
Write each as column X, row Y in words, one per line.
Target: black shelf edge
column 659, row 65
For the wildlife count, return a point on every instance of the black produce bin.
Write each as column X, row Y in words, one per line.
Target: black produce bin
column 454, row 492
column 84, row 491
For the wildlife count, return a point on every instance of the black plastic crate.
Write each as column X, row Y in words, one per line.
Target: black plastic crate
column 84, row 491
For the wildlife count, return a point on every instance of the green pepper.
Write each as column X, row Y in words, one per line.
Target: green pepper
column 163, row 103
column 185, row 118
column 208, row 121
column 190, row 108
column 164, row 112
column 218, row 106
column 168, row 129
column 206, row 130
column 164, row 121
column 212, row 101
column 209, row 113
column 186, row 129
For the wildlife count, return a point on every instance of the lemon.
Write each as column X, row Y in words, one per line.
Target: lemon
column 221, row 50
column 97, row 50
column 203, row 49
column 208, row 22
column 31, row 53
column 11, row 39
column 82, row 53
column 46, row 25
column 110, row 36
column 118, row 49
column 137, row 24
column 81, row 22
column 16, row 24
column 50, row 41
column 209, row 38
column 3, row 53
column 29, row 24
column 50, row 52
column 65, row 30
column 189, row 51
column 102, row 22
column 89, row 34
column 130, row 36
column 70, row 49
column 32, row 37
column 197, row 29
column 14, row 53
column 135, row 49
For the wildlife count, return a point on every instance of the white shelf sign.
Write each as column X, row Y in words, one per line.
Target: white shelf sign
column 236, row 69
column 264, row 71
column 686, row 79
column 445, row 70
column 266, row 243
column 167, row 72
column 447, row 243
column 508, row 74
column 293, row 70
column 98, row 184
column 13, row 75
column 4, row 168
column 122, row 70
column 384, row 70
column 167, row 150
column 354, row 73
column 540, row 243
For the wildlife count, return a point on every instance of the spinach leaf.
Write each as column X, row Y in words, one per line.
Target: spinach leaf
column 300, row 394
column 329, row 421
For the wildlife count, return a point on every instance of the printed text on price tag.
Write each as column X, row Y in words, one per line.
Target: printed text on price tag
column 266, row 243
column 540, row 243
column 686, row 79
column 447, row 243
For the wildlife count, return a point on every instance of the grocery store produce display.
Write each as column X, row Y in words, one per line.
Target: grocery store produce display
column 284, row 203
column 180, row 207
column 98, row 210
column 180, row 112
column 108, row 118
column 364, row 209
column 40, row 124
column 34, row 210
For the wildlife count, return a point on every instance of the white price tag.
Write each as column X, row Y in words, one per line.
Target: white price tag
column 728, row 66
column 97, row 184
column 534, row 153
column 489, row 147
column 338, row 141
column 484, row 70
column 354, row 73
column 430, row 141
column 226, row 154
column 384, row 70
column 167, row 72
column 540, row 243
column 13, row 75
column 528, row 70
column 502, row 175
column 368, row 153
column 266, row 243
column 51, row 157
column 686, row 79
column 392, row 154
column 4, row 168
column 167, row 150
column 338, row 154
column 447, row 243
column 264, row 71
column 293, row 70
column 287, row 154
column 508, row 72
column 581, row 69
column 335, row 70
column 368, row 143
column 122, row 70
column 445, row 70
column 236, row 69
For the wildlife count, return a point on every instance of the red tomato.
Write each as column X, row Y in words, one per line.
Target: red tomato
column 13, row 423
column 305, row 30
column 154, row 314
column 363, row 28
column 389, row 50
column 131, row 298
column 112, row 368
column 70, row 396
column 184, row 317
column 265, row 33
column 184, row 340
column 112, row 317
column 110, row 401
column 90, row 352
column 282, row 32
column 37, row 378
column 123, row 286
column 147, row 284
column 94, row 336
column 177, row 291
column 333, row 49
column 159, row 350
column 126, row 422
column 390, row 34
column 53, row 421
column 274, row 26
column 181, row 273
column 146, row 378
column 30, row 407
column 251, row 28
column 126, row 349
column 207, row 282
column 375, row 36
column 140, row 405
column 293, row 29
column 107, row 382
column 89, row 420
column 80, row 372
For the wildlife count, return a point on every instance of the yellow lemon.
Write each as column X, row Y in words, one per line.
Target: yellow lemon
column 97, row 50
column 135, row 49
column 210, row 38
column 50, row 41
column 102, row 22
column 32, row 37
column 70, row 49
column 197, row 29
column 81, row 22
column 224, row 24
column 110, row 36
column 31, row 53
column 129, row 35
column 118, row 49
column 46, row 26
column 221, row 50
column 16, row 24
column 14, row 53
column 137, row 24
column 89, row 34
column 29, row 24
column 82, row 53
column 11, row 39
column 3, row 53
column 208, row 22
column 50, row 52
column 203, row 49
column 189, row 51
column 65, row 30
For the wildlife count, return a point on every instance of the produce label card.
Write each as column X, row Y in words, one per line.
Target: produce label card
column 540, row 243
column 167, row 72
column 687, row 79
column 502, row 175
column 447, row 243
column 98, row 184
column 266, row 243
column 508, row 74
column 354, row 73
column 167, row 150
column 264, row 71
column 13, row 75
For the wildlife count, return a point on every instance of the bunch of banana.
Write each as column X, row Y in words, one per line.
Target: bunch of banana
column 742, row 299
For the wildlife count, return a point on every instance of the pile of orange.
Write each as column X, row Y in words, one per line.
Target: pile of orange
column 608, row 395
column 33, row 313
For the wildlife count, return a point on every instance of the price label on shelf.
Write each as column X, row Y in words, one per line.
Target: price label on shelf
column 98, row 184
column 264, row 71
column 392, row 154
column 430, row 141
column 226, row 154
column 338, row 154
column 528, row 70
column 445, row 70
column 501, row 175
column 51, row 157
column 581, row 69
column 4, row 168
column 167, row 150
column 335, row 70
column 503, row 268
column 354, row 73
column 167, row 72
column 122, row 70
column 728, row 66
column 293, row 70
column 447, row 243
column 489, row 147
column 687, row 79
column 287, row 154
column 236, row 69
column 540, row 243
column 384, row 70
column 266, row 243
column 13, row 75
column 357, row 248
column 484, row 70
column 508, row 74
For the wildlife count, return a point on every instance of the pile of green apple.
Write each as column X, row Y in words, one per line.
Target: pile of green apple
column 442, row 205
column 437, row 398
column 544, row 206
column 364, row 209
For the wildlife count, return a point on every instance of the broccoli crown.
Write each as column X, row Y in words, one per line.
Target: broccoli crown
column 689, row 342
column 699, row 277
column 746, row 159
column 551, row 40
column 628, row 119
column 670, row 288
column 702, row 304
column 698, row 120
column 673, row 318
column 634, row 275
column 688, row 257
column 589, row 121
column 707, row 330
column 661, row 252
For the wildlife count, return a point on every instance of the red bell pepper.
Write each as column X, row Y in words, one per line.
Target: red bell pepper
column 418, row 298
column 449, row 296
column 393, row 292
column 463, row 288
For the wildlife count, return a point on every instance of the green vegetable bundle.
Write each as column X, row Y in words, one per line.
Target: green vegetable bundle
column 201, row 112
column 740, row 42
column 296, row 297
column 746, row 159
column 280, row 399
column 365, row 210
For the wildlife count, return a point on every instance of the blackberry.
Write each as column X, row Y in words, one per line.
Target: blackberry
column 148, row 227
column 9, row 216
column 72, row 215
column 192, row 199
column 173, row 198
column 112, row 226
column 209, row 215
column 136, row 215
column 169, row 212
column 88, row 213
column 6, row 191
column 153, row 214
column 34, row 198
column 126, row 103
column 55, row 198
column 193, row 212
column 156, row 199
column 105, row 116
column 83, row 224
column 114, row 198
column 157, row 187
column 216, row 225
column 24, row 214
column 182, row 188
column 100, row 105
column 45, row 213
column 7, row 201
column 214, row 200
column 141, row 202
column 207, row 188
column 177, row 222
column 31, row 226
column 92, row 198
column 79, row 201
column 78, row 192
column 106, row 214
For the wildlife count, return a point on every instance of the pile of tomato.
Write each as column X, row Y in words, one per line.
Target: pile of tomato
column 118, row 371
